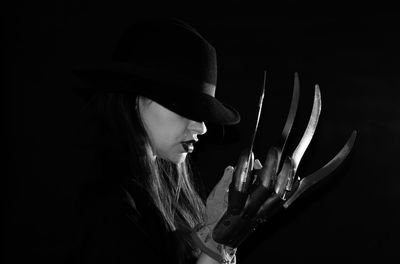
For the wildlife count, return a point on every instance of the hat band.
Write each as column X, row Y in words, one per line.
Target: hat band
column 208, row 88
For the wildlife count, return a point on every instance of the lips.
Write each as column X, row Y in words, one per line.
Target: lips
column 188, row 145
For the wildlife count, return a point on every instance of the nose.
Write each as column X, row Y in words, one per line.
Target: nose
column 197, row 128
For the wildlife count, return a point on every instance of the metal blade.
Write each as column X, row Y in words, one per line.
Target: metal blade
column 290, row 118
column 260, row 104
column 318, row 175
column 309, row 133
column 243, row 178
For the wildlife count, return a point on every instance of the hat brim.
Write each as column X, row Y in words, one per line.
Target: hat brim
column 197, row 106
column 192, row 105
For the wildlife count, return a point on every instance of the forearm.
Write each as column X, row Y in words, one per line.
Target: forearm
column 205, row 259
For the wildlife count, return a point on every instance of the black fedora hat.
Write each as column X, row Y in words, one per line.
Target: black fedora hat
column 169, row 62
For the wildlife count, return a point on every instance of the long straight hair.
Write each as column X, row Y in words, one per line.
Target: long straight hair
column 170, row 186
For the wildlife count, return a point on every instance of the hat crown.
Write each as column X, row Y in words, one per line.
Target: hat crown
column 171, row 48
column 169, row 62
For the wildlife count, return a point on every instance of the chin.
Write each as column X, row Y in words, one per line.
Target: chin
column 177, row 159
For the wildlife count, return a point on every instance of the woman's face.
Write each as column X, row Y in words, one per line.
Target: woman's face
column 171, row 135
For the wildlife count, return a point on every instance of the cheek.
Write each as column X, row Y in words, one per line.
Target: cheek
column 167, row 137
column 166, row 131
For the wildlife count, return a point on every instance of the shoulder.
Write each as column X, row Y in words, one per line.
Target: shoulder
column 112, row 231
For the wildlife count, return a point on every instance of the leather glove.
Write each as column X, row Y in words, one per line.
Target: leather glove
column 216, row 205
column 254, row 196
column 246, row 196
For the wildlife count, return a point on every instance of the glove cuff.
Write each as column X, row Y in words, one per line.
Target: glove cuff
column 201, row 236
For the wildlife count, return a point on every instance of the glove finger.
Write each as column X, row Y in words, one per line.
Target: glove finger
column 294, row 186
column 257, row 164
column 291, row 177
column 217, row 201
column 268, row 208
column 241, row 182
column 284, row 176
column 226, row 178
column 257, row 197
column 222, row 186
column 254, row 174
column 242, row 176
column 268, row 172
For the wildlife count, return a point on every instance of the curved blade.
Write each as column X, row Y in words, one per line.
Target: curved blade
column 244, row 175
column 309, row 133
column 260, row 104
column 290, row 118
column 318, row 175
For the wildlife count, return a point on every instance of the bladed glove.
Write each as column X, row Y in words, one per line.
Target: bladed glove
column 241, row 200
column 216, row 205
column 254, row 197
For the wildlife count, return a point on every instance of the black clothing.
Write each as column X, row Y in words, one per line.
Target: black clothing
column 121, row 225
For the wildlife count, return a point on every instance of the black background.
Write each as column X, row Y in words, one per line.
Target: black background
column 352, row 55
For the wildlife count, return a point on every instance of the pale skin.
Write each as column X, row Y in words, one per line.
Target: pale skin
column 166, row 131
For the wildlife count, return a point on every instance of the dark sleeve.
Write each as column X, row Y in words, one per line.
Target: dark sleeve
column 110, row 234
column 115, row 232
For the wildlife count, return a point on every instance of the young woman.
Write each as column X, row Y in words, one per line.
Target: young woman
column 149, row 105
